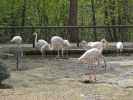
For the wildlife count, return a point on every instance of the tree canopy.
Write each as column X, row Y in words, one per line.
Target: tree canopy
column 56, row 13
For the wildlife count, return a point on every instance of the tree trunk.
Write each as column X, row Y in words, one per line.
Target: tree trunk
column 113, row 19
column 23, row 12
column 125, row 20
column 94, row 19
column 12, row 19
column 108, row 34
column 72, row 21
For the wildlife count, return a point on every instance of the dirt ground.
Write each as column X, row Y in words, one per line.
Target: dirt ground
column 47, row 78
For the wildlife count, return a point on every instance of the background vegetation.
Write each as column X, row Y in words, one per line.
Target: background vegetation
column 58, row 13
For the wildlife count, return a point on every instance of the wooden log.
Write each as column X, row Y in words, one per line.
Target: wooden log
column 78, row 51
column 33, row 51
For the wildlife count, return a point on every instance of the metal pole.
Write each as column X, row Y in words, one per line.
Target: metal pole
column 18, row 57
column 33, row 41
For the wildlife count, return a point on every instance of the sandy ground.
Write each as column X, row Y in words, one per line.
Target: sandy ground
column 47, row 78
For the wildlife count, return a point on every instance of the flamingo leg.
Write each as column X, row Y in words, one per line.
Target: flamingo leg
column 89, row 72
column 21, row 55
column 118, row 52
column 58, row 53
column 17, row 58
column 46, row 53
column 94, row 68
column 92, row 73
column 62, row 52
column 67, row 52
column 105, row 64
column 42, row 54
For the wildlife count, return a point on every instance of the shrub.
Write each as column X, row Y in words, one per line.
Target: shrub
column 4, row 73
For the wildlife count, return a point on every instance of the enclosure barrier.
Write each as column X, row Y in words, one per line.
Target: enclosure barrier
column 111, row 33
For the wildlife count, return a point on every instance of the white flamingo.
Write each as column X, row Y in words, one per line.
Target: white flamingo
column 44, row 47
column 67, row 43
column 119, row 47
column 41, row 44
column 58, row 43
column 18, row 40
column 83, row 44
column 98, row 44
column 92, row 57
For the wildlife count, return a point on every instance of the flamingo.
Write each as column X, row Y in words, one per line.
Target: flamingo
column 41, row 44
column 119, row 47
column 92, row 57
column 98, row 44
column 38, row 43
column 18, row 40
column 44, row 47
column 83, row 44
column 59, row 43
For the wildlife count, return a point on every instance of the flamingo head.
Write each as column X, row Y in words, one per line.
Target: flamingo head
column 83, row 42
column 35, row 33
column 67, row 43
column 106, row 44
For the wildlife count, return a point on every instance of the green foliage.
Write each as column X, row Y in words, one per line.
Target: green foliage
column 55, row 12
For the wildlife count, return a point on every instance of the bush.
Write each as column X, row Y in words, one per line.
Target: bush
column 4, row 73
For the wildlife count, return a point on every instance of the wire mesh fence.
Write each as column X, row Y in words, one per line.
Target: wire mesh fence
column 111, row 33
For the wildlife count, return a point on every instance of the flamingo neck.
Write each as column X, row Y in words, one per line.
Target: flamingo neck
column 35, row 39
column 50, row 47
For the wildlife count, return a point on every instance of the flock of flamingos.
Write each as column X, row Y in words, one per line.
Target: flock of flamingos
column 93, row 55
